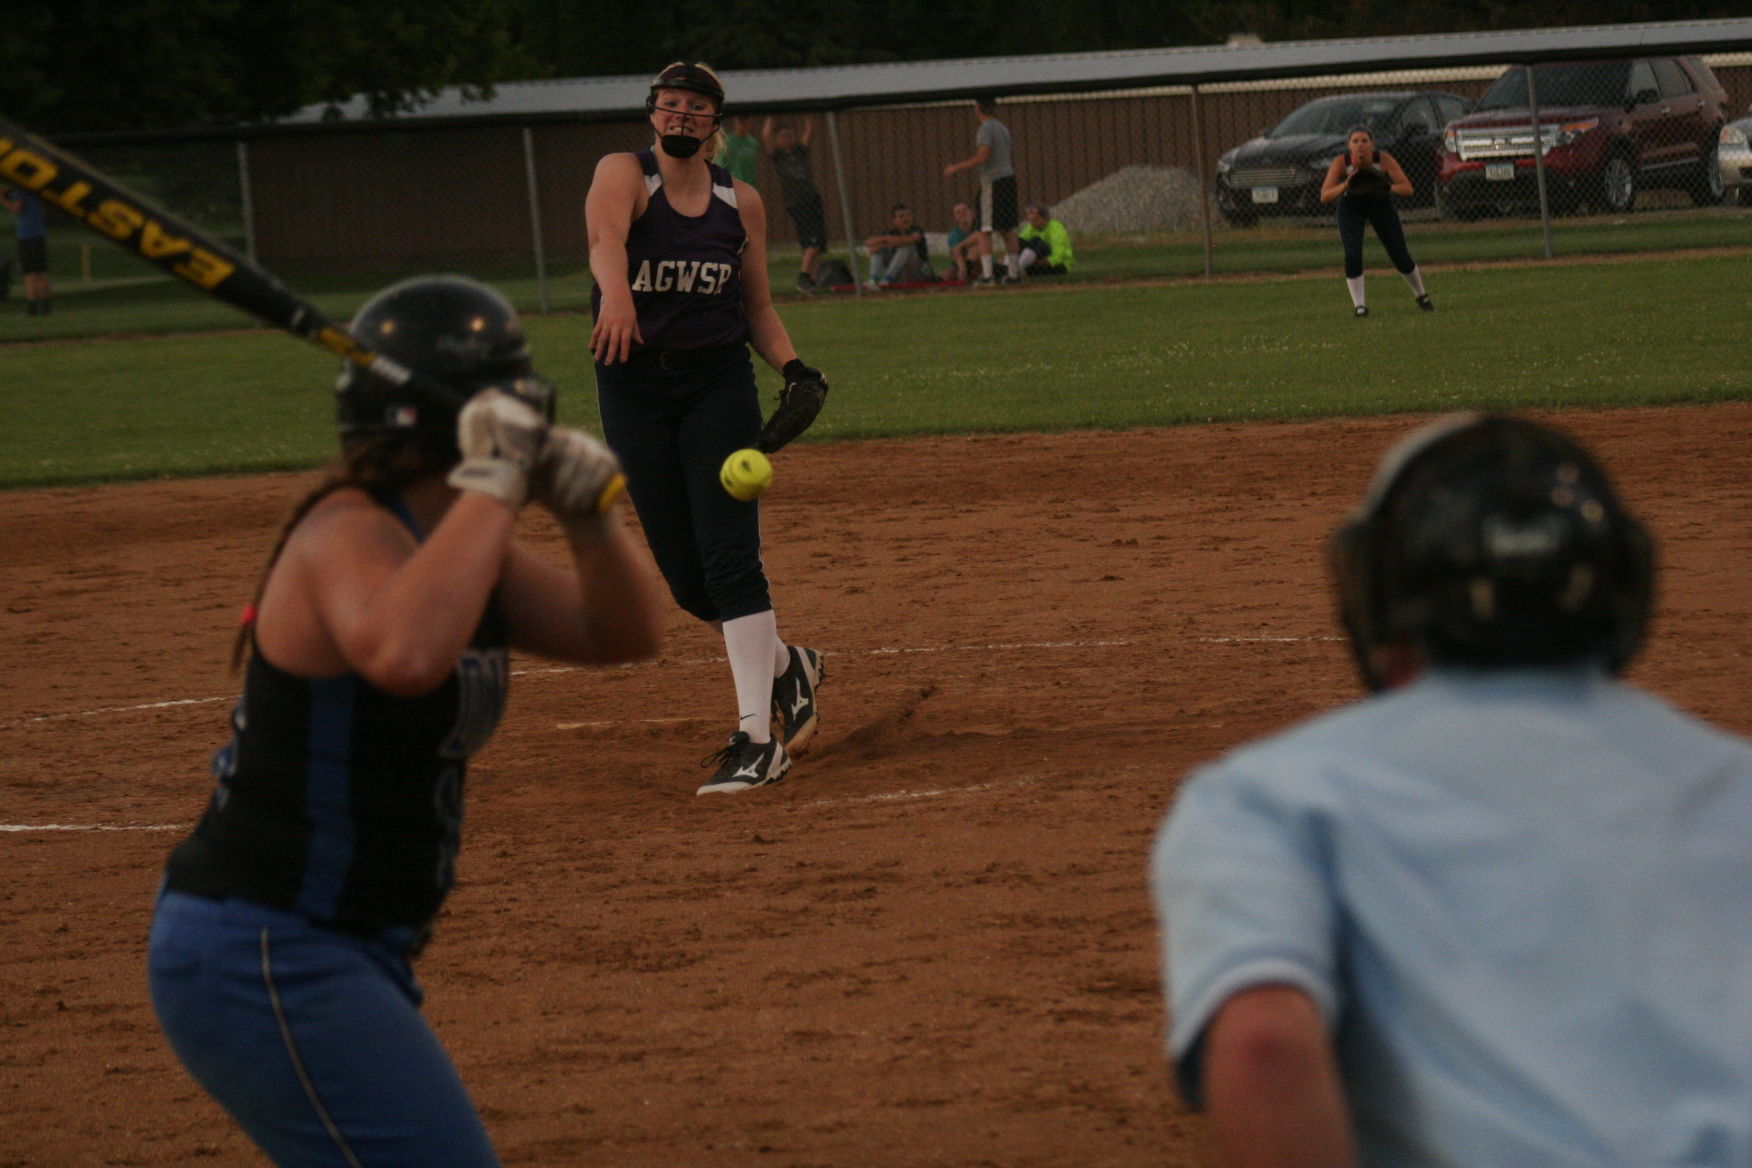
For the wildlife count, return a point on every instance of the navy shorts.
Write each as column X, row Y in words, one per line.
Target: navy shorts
column 672, row 430
column 997, row 204
column 33, row 255
column 810, row 220
column 310, row 1038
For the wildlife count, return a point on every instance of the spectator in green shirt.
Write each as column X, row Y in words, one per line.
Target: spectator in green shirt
column 1046, row 245
column 740, row 151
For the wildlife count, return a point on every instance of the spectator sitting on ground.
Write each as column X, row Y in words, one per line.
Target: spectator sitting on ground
column 966, row 243
column 899, row 256
column 1046, row 245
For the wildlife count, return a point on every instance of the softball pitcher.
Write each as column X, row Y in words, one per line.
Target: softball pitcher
column 282, row 939
column 678, row 251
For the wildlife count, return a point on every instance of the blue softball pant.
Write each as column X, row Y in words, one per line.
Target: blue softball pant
column 310, row 1038
column 672, row 430
column 1354, row 211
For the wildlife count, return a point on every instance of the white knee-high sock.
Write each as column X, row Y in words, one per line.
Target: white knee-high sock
column 749, row 641
column 781, row 656
column 1415, row 279
column 1355, row 284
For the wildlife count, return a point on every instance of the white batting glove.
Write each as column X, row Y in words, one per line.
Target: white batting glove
column 577, row 477
column 501, row 439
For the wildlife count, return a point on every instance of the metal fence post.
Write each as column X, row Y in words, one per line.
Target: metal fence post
column 535, row 219
column 839, row 178
column 246, row 206
column 1539, row 160
column 1204, row 199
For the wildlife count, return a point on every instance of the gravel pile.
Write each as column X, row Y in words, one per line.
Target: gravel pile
column 1134, row 199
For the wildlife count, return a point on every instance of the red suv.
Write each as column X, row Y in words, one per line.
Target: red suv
column 1610, row 129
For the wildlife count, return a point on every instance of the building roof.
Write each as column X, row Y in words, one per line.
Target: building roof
column 848, row 86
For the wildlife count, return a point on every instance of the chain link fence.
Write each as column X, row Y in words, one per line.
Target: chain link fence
column 1173, row 181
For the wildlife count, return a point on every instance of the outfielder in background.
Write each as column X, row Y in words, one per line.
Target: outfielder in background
column 281, row 946
column 678, row 251
column 1364, row 181
column 1496, row 913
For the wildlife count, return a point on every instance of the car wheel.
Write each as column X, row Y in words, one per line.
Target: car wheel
column 1706, row 185
column 1460, row 212
column 1617, row 184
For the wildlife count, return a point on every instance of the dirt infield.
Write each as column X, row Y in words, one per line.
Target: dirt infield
column 931, row 945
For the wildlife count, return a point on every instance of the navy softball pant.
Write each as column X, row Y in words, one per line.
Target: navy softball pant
column 672, row 430
column 1354, row 211
column 310, row 1038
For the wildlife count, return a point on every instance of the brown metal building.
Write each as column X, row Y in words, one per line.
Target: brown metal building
column 504, row 180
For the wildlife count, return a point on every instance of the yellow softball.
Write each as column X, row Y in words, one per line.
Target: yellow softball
column 745, row 474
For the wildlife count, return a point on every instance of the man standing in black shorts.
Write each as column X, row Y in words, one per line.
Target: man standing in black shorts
column 789, row 153
column 33, row 247
column 997, row 187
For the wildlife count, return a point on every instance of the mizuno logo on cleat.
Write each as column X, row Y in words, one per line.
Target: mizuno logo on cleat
column 800, row 704
column 752, row 770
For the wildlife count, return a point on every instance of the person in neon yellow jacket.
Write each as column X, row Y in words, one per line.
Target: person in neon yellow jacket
column 1046, row 245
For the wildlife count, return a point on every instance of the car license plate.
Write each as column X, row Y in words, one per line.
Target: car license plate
column 1265, row 194
column 1499, row 171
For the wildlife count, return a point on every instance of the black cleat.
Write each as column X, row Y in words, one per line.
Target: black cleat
column 794, row 713
column 744, row 764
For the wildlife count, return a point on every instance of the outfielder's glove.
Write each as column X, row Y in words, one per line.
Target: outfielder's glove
column 1368, row 180
column 799, row 402
column 500, row 437
column 577, row 477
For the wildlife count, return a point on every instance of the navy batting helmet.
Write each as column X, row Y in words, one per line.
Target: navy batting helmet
column 692, row 78
column 1492, row 541
column 458, row 337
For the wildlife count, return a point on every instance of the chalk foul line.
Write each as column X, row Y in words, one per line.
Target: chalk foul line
column 880, row 651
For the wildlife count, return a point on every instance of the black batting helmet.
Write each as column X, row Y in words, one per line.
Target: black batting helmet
column 1492, row 541
column 692, row 78
column 458, row 337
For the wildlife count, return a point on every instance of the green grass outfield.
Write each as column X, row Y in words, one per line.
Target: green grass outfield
column 1042, row 357
column 101, row 289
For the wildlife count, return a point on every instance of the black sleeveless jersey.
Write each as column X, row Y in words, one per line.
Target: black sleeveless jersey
column 343, row 803
column 685, row 272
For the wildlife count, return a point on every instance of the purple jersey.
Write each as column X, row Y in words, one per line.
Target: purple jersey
column 685, row 272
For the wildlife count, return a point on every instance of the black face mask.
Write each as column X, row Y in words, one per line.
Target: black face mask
column 679, row 145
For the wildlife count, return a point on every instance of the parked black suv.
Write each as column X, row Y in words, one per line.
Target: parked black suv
column 1281, row 171
column 1610, row 129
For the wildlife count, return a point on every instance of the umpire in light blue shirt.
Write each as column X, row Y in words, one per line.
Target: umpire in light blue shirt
column 1499, row 913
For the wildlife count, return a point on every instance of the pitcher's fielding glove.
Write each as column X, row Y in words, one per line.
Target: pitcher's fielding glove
column 799, row 402
column 1368, row 180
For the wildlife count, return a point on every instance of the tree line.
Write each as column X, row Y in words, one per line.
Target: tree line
column 92, row 66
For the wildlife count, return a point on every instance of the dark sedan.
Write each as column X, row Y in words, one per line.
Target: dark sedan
column 1280, row 172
